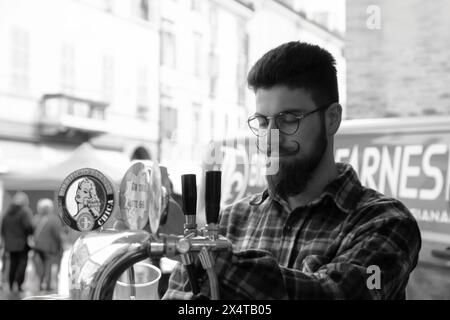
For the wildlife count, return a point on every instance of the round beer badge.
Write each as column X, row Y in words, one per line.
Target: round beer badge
column 86, row 199
column 134, row 196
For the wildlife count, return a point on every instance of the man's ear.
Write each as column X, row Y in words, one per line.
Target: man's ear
column 333, row 117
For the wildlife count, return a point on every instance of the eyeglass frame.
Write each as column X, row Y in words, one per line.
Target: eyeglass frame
column 299, row 119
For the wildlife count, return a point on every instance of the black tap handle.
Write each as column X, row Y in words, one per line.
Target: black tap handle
column 212, row 196
column 189, row 194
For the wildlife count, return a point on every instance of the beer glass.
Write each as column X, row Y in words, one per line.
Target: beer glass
column 144, row 286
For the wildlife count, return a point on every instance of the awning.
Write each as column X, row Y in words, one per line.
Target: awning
column 18, row 156
column 112, row 163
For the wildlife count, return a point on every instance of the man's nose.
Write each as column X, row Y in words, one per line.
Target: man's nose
column 272, row 124
column 272, row 138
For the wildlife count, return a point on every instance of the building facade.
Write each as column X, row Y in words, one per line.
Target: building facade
column 73, row 72
column 137, row 79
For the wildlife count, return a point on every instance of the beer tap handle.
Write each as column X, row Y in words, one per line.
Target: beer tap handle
column 189, row 202
column 212, row 196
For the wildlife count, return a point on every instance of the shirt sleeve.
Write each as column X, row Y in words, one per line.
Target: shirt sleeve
column 389, row 246
column 178, row 287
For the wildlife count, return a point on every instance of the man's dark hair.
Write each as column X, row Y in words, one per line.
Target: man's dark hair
column 298, row 65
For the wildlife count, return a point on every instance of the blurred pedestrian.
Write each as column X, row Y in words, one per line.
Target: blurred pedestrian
column 4, row 259
column 16, row 227
column 48, row 243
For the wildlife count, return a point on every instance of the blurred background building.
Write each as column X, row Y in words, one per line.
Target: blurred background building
column 399, row 68
column 75, row 72
column 97, row 83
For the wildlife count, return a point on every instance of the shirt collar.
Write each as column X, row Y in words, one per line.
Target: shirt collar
column 259, row 198
column 345, row 189
column 341, row 190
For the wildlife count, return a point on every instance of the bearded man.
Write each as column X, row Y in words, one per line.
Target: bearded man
column 315, row 232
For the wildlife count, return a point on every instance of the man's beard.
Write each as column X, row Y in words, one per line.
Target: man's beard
column 293, row 176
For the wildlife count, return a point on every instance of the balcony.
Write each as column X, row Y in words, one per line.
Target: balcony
column 69, row 117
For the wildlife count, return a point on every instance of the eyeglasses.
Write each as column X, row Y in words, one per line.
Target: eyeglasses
column 287, row 123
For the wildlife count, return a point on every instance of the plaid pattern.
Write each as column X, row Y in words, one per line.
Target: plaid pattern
column 319, row 251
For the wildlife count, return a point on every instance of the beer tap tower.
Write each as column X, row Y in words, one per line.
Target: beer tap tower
column 99, row 257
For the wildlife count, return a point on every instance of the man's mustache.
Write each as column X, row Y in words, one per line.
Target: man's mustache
column 288, row 152
column 282, row 151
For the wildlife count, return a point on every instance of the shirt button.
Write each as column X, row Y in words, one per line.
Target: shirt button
column 287, row 229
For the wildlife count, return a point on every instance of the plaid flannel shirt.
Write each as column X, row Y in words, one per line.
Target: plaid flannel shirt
column 323, row 250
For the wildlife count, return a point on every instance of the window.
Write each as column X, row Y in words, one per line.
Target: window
column 108, row 5
column 169, row 118
column 152, row 10
column 141, row 9
column 81, row 110
column 55, row 105
column 196, row 5
column 196, row 125
column 213, row 74
column 20, row 60
column 198, row 54
column 242, row 65
column 142, row 93
column 108, row 78
column 168, row 48
column 227, row 123
column 214, row 63
column 213, row 25
column 211, row 123
column 67, row 68
column 213, row 16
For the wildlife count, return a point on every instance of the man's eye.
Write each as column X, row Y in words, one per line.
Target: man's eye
column 288, row 118
column 263, row 123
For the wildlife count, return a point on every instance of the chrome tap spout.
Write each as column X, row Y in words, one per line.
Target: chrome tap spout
column 99, row 258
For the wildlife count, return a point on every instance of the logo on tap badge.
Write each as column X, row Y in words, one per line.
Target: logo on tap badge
column 86, row 199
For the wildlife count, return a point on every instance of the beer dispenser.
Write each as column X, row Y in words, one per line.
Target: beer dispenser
column 106, row 249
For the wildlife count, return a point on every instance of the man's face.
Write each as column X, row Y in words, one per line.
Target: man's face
column 299, row 153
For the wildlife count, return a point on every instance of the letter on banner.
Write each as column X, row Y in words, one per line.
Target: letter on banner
column 354, row 158
column 433, row 172
column 390, row 170
column 447, row 188
column 369, row 167
column 409, row 171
